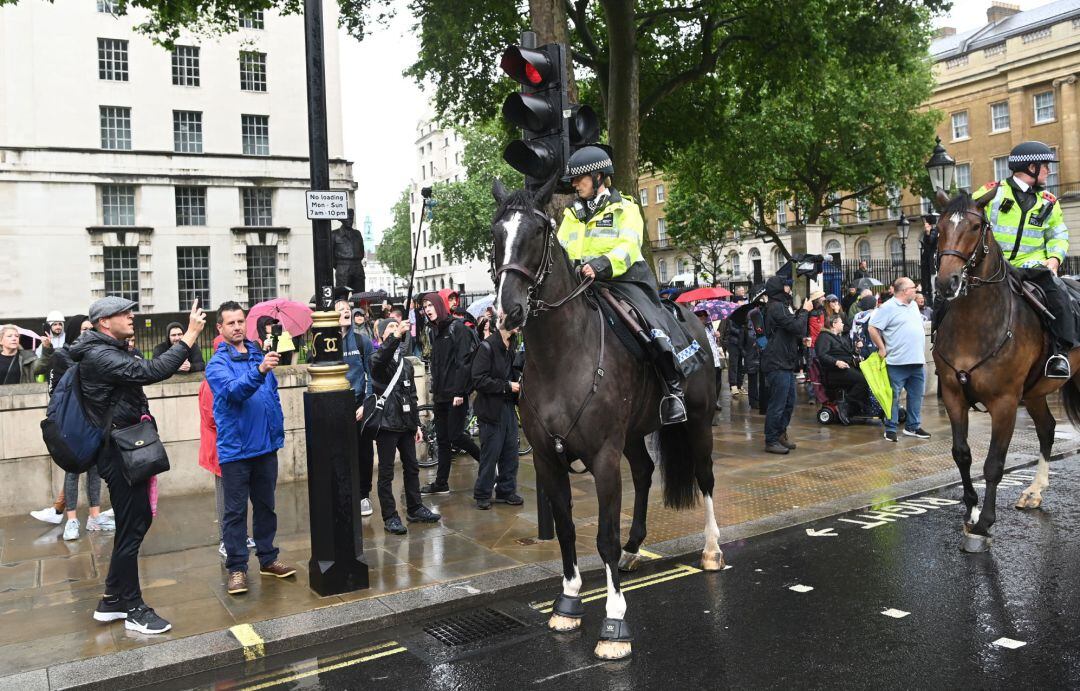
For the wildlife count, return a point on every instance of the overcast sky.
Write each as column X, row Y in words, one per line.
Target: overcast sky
column 381, row 107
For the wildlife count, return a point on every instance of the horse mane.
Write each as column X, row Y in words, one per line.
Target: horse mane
column 520, row 199
column 959, row 204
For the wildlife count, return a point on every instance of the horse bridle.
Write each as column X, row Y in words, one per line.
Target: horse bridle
column 536, row 278
column 972, row 260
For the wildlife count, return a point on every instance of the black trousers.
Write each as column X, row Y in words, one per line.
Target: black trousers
column 366, row 457
column 854, row 385
column 450, row 432
column 498, row 456
column 131, row 505
column 736, row 366
column 403, row 444
column 754, row 382
column 1063, row 327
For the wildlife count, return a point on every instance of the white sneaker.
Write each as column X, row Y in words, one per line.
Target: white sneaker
column 48, row 515
column 735, row 391
column 365, row 507
column 251, row 543
column 71, row 530
column 108, row 513
column 221, row 550
column 102, row 522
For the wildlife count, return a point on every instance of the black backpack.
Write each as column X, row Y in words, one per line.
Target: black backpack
column 72, row 439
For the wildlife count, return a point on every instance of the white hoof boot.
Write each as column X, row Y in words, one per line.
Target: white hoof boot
column 712, row 561
column 630, row 561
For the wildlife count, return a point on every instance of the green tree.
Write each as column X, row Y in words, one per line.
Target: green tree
column 395, row 249
column 461, row 220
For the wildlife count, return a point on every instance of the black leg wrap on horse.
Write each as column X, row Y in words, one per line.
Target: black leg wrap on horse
column 615, row 630
column 568, row 606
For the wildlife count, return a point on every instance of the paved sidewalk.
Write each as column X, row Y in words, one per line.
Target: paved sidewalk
column 49, row 587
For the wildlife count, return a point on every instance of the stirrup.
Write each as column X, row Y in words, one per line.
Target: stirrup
column 672, row 410
column 1057, row 367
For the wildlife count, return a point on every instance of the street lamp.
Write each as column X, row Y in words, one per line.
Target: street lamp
column 903, row 227
column 942, row 168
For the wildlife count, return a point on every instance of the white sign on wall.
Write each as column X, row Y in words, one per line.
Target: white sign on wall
column 330, row 205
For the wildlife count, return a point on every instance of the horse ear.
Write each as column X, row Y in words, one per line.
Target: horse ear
column 941, row 200
column 498, row 191
column 982, row 201
column 545, row 193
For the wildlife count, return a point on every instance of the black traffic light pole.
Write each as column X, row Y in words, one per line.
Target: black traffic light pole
column 337, row 563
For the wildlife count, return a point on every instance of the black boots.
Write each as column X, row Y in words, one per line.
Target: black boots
column 673, row 404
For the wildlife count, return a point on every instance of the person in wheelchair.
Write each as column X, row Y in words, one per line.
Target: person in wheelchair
column 839, row 365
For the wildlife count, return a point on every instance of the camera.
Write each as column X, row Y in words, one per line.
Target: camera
column 275, row 336
column 425, row 192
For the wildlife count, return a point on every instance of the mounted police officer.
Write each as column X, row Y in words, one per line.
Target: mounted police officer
column 1029, row 226
column 602, row 232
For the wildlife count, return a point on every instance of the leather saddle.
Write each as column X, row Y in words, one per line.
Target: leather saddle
column 1035, row 296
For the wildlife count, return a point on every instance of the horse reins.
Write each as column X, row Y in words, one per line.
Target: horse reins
column 970, row 262
column 536, row 305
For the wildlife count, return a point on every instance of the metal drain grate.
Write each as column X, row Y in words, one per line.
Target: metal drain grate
column 462, row 629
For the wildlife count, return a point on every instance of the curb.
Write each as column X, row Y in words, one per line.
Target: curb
column 204, row 652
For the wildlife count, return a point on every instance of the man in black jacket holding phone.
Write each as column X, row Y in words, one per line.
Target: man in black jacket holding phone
column 785, row 328
column 497, row 386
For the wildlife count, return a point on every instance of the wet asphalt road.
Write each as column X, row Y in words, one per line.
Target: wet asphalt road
column 875, row 598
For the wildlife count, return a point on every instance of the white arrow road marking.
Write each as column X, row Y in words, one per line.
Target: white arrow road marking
column 801, row 588
column 1009, row 643
column 823, row 532
column 467, row 588
column 895, row 613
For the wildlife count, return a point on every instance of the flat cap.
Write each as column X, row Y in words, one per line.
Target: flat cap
column 108, row 306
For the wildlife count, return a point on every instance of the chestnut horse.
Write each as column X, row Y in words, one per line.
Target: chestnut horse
column 586, row 398
column 990, row 349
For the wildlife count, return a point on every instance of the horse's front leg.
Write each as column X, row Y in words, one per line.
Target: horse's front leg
column 1044, row 427
column 615, row 638
column 568, row 609
column 1003, row 420
column 641, row 466
column 957, row 407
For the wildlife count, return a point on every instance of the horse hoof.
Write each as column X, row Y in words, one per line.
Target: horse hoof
column 629, row 561
column 563, row 624
column 1029, row 500
column 975, row 544
column 712, row 561
column 612, row 650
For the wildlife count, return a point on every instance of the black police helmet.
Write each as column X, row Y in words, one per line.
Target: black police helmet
column 1026, row 153
column 588, row 159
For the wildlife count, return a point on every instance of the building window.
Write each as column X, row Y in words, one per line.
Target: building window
column 118, row 205
column 185, row 66
column 661, row 229
column 258, row 206
column 643, row 194
column 736, row 269
column 659, row 194
column 252, row 20
column 1044, row 107
column 112, row 59
column 261, row 273
column 896, row 251
column 252, row 71
column 115, row 128
column 1001, row 167
column 190, row 206
column 862, row 210
column 862, row 250
column 963, row 177
column 999, row 116
column 187, row 131
column 255, row 132
column 832, row 248
column 661, row 268
column 781, row 214
column 193, row 275
column 107, row 6
column 1052, row 174
column 894, row 202
column 1037, row 35
column 680, row 267
column 926, row 206
column 960, row 125
column 122, row 273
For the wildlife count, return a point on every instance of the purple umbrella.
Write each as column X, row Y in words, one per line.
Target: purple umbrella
column 718, row 309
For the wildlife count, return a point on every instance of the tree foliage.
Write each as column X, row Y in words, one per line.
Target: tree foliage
column 395, row 249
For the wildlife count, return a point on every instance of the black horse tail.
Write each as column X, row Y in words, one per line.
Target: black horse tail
column 677, row 467
column 1070, row 398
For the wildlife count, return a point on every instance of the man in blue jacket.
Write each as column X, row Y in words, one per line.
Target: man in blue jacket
column 251, row 428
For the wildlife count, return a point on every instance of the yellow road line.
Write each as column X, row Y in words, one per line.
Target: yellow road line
column 252, row 642
column 649, row 555
column 311, row 664
column 328, row 668
column 603, row 589
column 661, row 577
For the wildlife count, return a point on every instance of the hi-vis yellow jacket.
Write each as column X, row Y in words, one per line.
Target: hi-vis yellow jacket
column 1039, row 239
column 610, row 240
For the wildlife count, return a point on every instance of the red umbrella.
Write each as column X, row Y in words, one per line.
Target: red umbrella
column 703, row 294
column 294, row 316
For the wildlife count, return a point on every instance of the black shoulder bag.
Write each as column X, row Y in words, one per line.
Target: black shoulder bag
column 373, row 404
column 142, row 454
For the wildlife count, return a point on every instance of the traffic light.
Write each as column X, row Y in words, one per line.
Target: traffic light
column 551, row 127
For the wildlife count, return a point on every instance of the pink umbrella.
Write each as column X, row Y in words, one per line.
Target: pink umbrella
column 28, row 340
column 295, row 317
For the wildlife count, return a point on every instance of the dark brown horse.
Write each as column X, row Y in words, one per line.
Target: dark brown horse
column 991, row 348
column 586, row 398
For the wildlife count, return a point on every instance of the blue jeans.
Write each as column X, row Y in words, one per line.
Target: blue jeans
column 911, row 378
column 781, row 404
column 254, row 478
column 498, row 456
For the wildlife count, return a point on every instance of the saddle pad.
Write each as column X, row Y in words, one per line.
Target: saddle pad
column 621, row 331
